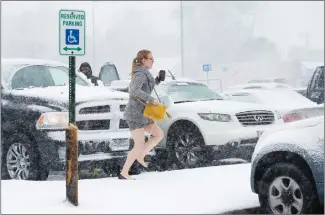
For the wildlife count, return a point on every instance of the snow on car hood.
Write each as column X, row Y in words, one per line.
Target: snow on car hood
column 219, row 106
column 309, row 122
column 304, row 134
column 61, row 93
column 285, row 108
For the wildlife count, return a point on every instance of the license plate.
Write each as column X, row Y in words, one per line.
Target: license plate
column 259, row 133
column 120, row 145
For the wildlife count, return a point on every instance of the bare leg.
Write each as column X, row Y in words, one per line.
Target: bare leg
column 157, row 136
column 138, row 137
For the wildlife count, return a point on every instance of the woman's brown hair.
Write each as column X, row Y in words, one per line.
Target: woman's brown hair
column 142, row 54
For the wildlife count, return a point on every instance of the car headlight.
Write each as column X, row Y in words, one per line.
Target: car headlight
column 53, row 120
column 215, row 117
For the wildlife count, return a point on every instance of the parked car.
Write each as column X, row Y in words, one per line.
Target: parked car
column 204, row 126
column 108, row 73
column 283, row 100
column 301, row 90
column 288, row 168
column 269, row 80
column 304, row 113
column 315, row 89
column 267, row 85
column 34, row 115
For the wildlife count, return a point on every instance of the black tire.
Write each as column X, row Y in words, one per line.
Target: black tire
column 304, row 188
column 36, row 170
column 195, row 142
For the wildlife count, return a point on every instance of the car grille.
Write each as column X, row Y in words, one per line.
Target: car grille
column 123, row 124
column 252, row 118
column 122, row 108
column 101, row 115
column 95, row 109
column 93, row 125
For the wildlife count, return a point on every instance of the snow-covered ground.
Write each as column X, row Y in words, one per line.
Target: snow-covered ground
column 192, row 191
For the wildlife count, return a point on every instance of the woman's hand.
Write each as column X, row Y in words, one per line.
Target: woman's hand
column 155, row 102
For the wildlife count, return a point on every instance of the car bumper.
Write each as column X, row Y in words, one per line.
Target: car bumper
column 93, row 146
column 230, row 133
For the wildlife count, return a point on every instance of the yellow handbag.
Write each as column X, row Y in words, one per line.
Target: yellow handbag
column 154, row 112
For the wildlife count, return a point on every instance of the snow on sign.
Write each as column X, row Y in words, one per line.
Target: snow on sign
column 72, row 32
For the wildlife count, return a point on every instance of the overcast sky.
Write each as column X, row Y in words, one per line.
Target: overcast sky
column 285, row 23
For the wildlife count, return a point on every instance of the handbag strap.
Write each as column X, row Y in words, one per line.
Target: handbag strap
column 153, row 88
column 136, row 97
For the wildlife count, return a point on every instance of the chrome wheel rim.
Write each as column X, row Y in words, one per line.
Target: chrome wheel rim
column 285, row 196
column 187, row 149
column 18, row 161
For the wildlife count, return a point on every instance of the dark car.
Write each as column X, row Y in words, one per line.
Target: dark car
column 287, row 168
column 34, row 116
column 108, row 73
column 315, row 89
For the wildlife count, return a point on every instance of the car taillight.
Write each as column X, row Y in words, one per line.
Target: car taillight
column 292, row 117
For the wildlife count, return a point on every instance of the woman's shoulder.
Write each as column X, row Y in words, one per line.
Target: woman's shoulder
column 140, row 69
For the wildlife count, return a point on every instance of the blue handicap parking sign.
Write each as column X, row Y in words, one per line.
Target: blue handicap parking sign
column 207, row 67
column 72, row 36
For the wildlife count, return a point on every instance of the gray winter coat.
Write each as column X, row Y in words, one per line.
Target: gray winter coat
column 141, row 87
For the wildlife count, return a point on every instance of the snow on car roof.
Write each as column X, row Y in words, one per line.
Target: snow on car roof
column 276, row 95
column 270, row 85
column 30, row 61
column 61, row 93
column 10, row 65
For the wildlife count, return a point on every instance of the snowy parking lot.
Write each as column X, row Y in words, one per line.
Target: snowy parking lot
column 192, row 191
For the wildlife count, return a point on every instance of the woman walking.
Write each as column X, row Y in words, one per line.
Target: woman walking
column 142, row 84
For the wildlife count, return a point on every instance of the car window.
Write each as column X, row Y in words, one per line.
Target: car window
column 188, row 91
column 281, row 86
column 320, row 81
column 108, row 74
column 42, row 76
column 253, row 87
column 32, row 76
column 280, row 81
column 60, row 76
column 315, row 78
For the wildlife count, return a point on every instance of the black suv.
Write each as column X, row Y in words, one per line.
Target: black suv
column 34, row 116
column 315, row 89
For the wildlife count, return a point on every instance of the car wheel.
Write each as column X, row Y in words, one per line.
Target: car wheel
column 285, row 189
column 185, row 146
column 22, row 161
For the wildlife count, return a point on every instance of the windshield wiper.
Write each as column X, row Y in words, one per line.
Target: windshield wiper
column 184, row 101
column 211, row 99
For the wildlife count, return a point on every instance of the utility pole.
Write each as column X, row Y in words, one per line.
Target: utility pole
column 94, row 52
column 182, row 39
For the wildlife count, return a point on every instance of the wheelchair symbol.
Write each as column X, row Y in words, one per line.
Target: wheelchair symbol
column 72, row 37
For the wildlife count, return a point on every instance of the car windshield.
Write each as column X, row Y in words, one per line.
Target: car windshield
column 40, row 76
column 188, row 91
column 276, row 80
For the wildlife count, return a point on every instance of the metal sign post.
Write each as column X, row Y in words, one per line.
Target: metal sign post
column 72, row 42
column 207, row 68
